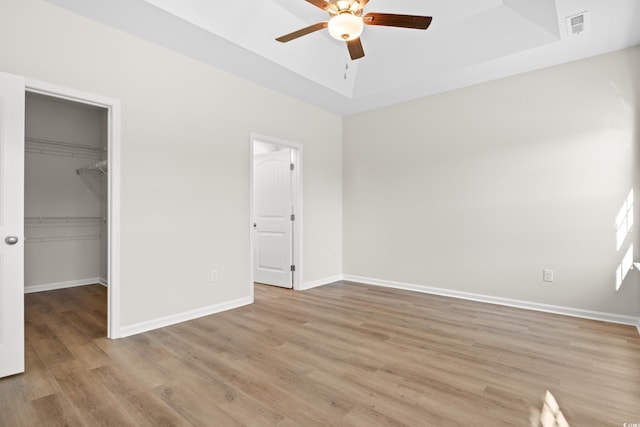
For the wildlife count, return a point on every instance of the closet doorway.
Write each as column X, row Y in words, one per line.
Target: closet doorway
column 71, row 199
column 66, row 206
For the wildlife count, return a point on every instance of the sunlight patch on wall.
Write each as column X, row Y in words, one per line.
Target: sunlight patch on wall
column 624, row 223
column 624, row 267
column 624, row 220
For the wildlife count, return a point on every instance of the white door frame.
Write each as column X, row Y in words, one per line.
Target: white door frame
column 297, row 224
column 113, row 218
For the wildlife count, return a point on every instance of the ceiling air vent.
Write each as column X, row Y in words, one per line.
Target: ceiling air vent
column 577, row 24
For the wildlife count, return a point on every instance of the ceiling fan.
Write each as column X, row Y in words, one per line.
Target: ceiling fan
column 347, row 21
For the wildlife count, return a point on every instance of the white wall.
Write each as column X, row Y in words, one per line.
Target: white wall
column 185, row 157
column 59, row 251
column 480, row 189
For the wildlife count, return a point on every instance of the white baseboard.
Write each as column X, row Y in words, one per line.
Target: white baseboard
column 319, row 282
column 555, row 309
column 137, row 328
column 61, row 285
column 104, row 282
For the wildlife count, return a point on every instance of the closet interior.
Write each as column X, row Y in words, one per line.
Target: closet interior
column 66, row 194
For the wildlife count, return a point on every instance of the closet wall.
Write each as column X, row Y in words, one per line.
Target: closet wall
column 65, row 196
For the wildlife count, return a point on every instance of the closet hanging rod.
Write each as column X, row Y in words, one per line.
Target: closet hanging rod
column 65, row 144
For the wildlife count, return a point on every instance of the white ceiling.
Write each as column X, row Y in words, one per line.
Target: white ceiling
column 468, row 42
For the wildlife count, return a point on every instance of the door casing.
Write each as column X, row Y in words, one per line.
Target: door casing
column 113, row 178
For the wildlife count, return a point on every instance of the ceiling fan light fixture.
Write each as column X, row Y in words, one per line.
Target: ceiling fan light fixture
column 346, row 26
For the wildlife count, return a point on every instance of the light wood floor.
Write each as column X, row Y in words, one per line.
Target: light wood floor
column 342, row 354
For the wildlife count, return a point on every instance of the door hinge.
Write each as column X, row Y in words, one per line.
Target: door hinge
column 292, row 166
column 293, row 217
column 293, row 268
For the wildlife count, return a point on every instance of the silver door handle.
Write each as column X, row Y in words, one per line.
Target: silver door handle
column 11, row 240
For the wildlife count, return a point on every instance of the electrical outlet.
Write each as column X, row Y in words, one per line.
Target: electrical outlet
column 214, row 275
column 547, row 275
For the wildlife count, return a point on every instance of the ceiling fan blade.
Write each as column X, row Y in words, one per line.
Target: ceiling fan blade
column 394, row 20
column 302, row 32
column 355, row 49
column 322, row 4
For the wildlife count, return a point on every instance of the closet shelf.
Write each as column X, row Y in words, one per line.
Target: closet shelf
column 62, row 220
column 63, row 148
column 59, row 239
column 63, row 228
column 65, row 144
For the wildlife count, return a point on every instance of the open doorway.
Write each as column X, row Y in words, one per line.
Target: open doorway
column 66, row 210
column 72, row 199
column 276, row 212
column 66, row 204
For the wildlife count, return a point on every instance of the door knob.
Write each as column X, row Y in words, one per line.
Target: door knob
column 11, row 240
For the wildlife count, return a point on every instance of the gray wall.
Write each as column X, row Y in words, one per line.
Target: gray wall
column 480, row 189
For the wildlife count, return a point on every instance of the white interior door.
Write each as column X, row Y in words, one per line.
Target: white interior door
column 272, row 208
column 12, row 90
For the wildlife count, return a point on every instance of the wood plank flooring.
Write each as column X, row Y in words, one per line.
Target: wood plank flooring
column 342, row 354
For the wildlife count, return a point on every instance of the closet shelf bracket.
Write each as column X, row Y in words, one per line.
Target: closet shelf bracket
column 101, row 166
